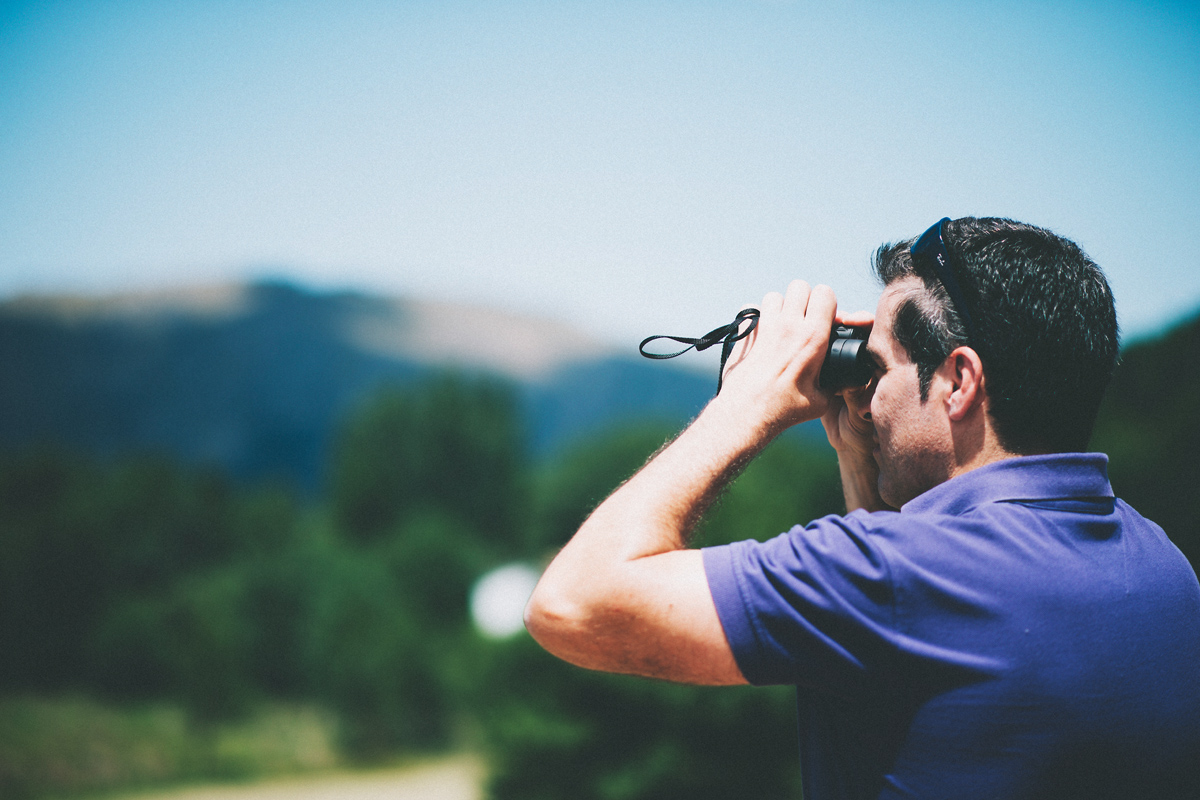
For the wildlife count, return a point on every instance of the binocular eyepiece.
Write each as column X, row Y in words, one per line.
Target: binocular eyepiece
column 846, row 361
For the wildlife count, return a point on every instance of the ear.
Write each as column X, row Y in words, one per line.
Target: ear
column 966, row 377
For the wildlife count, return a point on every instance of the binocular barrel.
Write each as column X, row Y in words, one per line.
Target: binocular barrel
column 846, row 362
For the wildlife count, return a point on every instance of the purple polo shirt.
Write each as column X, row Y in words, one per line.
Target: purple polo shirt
column 1014, row 632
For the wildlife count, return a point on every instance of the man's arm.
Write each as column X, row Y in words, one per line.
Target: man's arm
column 625, row 595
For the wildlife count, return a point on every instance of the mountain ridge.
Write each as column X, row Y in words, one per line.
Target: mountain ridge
column 436, row 331
column 256, row 379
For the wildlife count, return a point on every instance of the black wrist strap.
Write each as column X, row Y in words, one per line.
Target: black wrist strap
column 726, row 334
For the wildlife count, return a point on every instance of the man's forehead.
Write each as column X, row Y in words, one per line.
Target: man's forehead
column 881, row 343
column 893, row 294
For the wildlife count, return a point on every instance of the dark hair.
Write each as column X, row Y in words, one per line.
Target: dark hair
column 1045, row 327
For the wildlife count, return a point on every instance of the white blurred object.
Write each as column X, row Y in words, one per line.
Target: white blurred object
column 499, row 597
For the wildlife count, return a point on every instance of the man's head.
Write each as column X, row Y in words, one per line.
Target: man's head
column 1042, row 323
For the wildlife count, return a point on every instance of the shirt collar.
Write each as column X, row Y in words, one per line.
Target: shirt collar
column 1054, row 476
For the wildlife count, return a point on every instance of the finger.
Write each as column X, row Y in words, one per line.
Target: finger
column 822, row 304
column 830, row 420
column 768, row 312
column 856, row 318
column 796, row 301
column 853, row 426
column 853, row 395
column 749, row 321
column 858, row 400
column 743, row 345
column 771, row 303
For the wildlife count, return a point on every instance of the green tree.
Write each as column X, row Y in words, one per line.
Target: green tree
column 451, row 443
column 192, row 642
column 78, row 538
column 790, row 483
column 569, row 486
column 363, row 653
column 428, row 491
column 1147, row 426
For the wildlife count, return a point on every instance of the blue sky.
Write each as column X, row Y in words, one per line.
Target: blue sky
column 630, row 167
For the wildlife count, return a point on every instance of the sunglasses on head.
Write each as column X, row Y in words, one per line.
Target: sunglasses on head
column 931, row 249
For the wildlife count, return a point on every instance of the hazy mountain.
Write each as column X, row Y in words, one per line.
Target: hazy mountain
column 255, row 378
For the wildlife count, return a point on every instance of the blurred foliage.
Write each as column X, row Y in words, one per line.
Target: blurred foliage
column 69, row 745
column 77, row 538
column 570, row 485
column 788, row 484
column 196, row 603
column 1148, row 427
column 452, row 444
column 554, row 731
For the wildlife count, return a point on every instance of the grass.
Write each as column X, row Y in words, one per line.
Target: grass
column 68, row 746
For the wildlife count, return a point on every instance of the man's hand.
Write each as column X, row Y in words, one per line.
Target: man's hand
column 847, row 427
column 771, row 377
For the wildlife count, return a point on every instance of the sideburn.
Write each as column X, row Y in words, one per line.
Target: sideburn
column 913, row 329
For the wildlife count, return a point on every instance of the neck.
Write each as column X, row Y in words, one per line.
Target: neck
column 976, row 444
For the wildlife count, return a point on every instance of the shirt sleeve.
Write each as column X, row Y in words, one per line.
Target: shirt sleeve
column 813, row 606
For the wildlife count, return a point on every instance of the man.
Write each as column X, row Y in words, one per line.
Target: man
column 1012, row 630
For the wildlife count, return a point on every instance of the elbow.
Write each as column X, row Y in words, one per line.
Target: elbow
column 535, row 614
column 548, row 615
column 561, row 620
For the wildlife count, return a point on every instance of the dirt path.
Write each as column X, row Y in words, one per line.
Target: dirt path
column 458, row 778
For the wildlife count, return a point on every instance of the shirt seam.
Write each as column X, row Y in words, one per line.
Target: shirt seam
column 751, row 612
